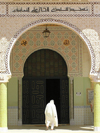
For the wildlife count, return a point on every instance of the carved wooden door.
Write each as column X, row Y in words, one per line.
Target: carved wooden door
column 37, row 99
column 33, row 101
column 25, row 101
column 64, row 94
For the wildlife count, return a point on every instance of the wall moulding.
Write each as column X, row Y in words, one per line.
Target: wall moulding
column 4, row 78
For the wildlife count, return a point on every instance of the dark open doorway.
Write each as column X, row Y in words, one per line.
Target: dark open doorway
column 53, row 92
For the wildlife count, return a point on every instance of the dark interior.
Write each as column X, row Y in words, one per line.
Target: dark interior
column 53, row 92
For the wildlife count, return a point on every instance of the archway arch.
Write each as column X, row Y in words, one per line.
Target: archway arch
column 47, row 53
column 50, row 48
column 45, row 78
column 52, row 21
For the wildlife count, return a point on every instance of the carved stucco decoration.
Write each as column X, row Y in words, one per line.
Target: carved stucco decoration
column 3, row 48
column 49, row 21
column 93, row 36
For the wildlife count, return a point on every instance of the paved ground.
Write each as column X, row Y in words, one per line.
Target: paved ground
column 42, row 129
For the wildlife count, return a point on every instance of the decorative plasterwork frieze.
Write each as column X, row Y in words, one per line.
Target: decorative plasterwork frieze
column 51, row 21
column 3, row 48
column 93, row 36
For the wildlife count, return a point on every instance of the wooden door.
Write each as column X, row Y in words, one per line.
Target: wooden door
column 64, row 101
column 33, row 104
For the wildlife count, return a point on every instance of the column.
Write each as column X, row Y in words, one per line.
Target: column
column 3, row 107
column 71, row 101
column 20, row 101
column 97, row 107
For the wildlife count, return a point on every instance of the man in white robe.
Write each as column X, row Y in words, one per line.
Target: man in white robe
column 51, row 118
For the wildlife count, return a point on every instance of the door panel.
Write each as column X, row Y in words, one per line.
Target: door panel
column 26, row 102
column 37, row 101
column 33, row 101
column 64, row 94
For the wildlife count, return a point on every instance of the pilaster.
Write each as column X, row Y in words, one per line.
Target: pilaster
column 71, row 100
column 97, row 107
column 19, row 100
column 4, row 78
column 3, row 107
column 96, row 80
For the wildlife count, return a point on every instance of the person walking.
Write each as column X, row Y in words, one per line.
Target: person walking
column 51, row 118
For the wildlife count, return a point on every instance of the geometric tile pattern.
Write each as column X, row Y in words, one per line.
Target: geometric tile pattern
column 83, row 115
column 19, row 24
column 75, row 20
column 88, row 116
column 12, row 113
column 79, row 116
column 72, row 53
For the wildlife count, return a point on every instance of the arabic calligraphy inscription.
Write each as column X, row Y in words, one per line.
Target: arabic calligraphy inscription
column 65, row 9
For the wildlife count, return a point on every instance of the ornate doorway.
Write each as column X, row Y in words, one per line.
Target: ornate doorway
column 45, row 78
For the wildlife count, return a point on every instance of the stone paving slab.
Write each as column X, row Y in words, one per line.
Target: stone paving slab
column 42, row 129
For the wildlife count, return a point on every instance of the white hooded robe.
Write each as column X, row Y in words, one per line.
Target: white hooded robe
column 51, row 113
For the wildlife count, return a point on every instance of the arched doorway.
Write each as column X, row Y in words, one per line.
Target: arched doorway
column 45, row 78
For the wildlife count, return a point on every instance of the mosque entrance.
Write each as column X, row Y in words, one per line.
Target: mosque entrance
column 45, row 78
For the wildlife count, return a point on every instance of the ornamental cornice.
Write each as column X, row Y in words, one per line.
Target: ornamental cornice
column 96, row 77
column 17, row 75
column 4, row 78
